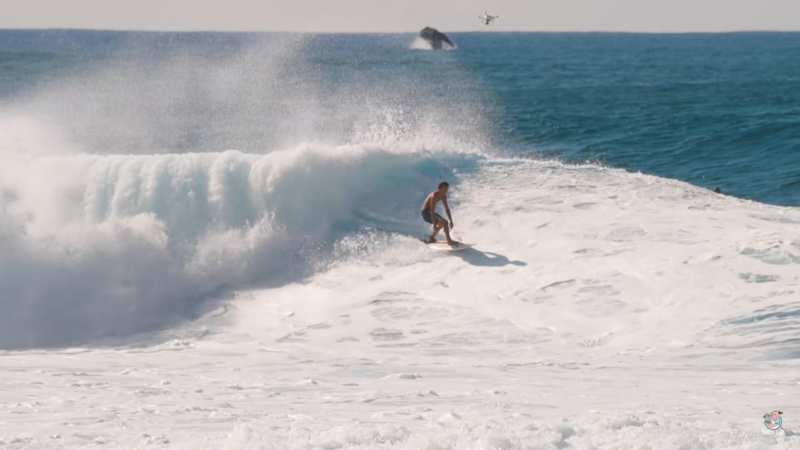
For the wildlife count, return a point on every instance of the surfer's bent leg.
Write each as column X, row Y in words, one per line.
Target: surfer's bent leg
column 432, row 219
column 441, row 223
column 437, row 225
column 447, row 232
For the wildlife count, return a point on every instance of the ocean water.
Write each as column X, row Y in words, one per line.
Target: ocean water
column 211, row 240
column 715, row 110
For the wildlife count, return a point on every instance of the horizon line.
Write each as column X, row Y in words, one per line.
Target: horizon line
column 199, row 30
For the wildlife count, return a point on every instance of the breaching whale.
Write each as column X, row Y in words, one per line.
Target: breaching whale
column 435, row 38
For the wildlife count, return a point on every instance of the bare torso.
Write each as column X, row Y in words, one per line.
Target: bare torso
column 430, row 201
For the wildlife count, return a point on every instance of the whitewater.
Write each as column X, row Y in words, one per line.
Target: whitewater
column 160, row 293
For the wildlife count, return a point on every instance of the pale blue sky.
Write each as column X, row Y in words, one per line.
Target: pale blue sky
column 410, row 15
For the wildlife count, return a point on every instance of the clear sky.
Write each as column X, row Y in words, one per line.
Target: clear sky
column 404, row 15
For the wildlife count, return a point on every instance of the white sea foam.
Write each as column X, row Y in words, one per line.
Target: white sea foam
column 589, row 259
column 99, row 244
column 599, row 308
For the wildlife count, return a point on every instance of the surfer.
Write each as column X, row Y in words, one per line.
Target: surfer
column 429, row 213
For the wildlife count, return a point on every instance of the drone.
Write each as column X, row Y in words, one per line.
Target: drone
column 487, row 18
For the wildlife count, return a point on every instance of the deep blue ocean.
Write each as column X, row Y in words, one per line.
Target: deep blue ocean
column 715, row 110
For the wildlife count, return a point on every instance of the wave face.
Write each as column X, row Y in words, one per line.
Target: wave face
column 112, row 245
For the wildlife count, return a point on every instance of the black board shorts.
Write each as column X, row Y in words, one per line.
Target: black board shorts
column 428, row 217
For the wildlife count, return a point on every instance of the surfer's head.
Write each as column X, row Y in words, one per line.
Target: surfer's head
column 443, row 186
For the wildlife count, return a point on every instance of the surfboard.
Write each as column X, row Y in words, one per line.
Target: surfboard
column 443, row 246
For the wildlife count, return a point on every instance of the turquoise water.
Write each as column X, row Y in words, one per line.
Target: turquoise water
column 716, row 110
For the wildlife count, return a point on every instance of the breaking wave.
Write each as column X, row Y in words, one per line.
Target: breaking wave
column 119, row 214
column 98, row 245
